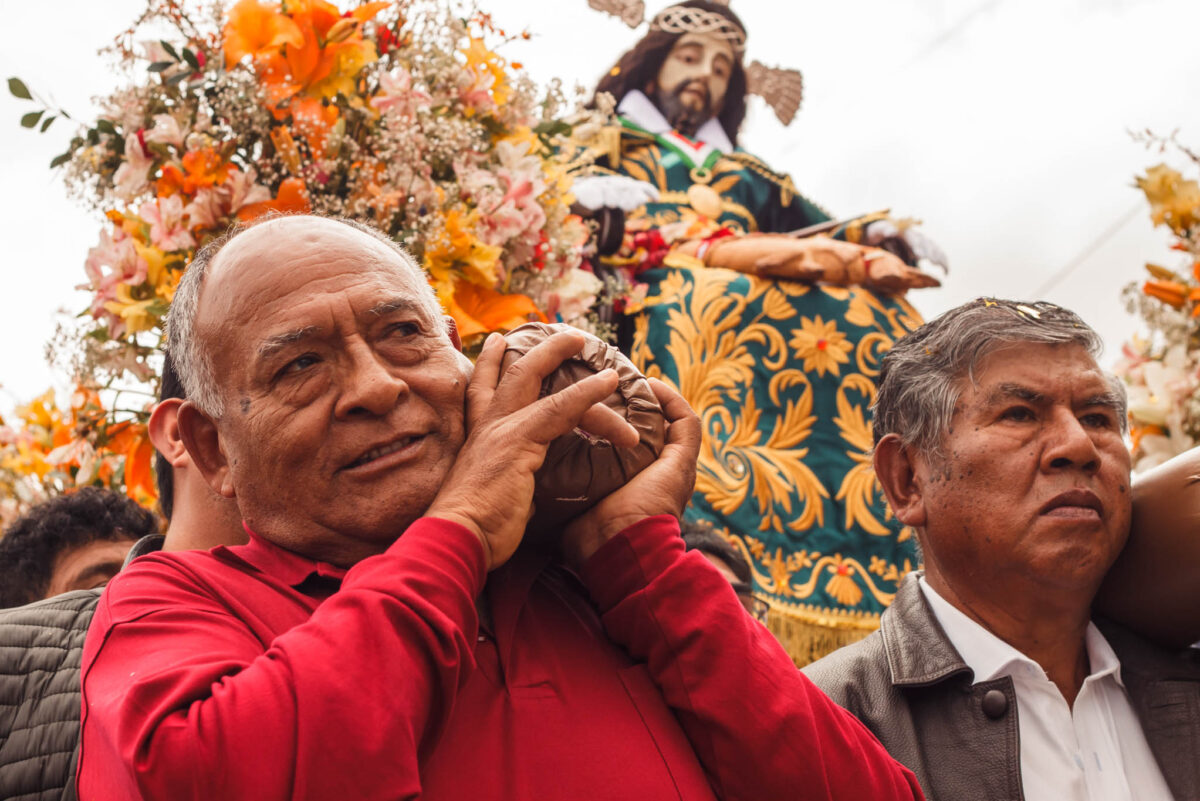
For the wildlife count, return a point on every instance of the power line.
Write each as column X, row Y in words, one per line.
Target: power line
column 1100, row 241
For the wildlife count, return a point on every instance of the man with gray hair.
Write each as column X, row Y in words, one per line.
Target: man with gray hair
column 381, row 635
column 1000, row 441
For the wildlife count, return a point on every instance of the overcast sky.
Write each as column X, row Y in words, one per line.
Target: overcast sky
column 1003, row 124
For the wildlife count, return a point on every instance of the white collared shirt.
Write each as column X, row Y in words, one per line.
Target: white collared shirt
column 1094, row 751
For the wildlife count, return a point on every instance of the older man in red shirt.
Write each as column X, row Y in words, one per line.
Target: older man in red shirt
column 381, row 636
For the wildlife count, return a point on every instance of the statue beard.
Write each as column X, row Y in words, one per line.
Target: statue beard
column 682, row 118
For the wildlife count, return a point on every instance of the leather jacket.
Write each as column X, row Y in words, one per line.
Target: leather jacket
column 909, row 686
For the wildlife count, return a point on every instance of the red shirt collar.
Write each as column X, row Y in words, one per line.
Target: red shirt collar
column 274, row 560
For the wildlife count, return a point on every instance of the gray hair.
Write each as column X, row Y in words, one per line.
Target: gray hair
column 193, row 362
column 920, row 379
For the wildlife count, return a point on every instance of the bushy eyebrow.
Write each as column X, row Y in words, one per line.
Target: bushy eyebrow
column 395, row 305
column 1108, row 400
column 271, row 345
column 1009, row 391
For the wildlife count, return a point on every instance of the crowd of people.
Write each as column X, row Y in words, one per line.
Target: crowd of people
column 344, row 603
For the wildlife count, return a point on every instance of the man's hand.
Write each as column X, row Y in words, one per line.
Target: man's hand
column 489, row 490
column 662, row 488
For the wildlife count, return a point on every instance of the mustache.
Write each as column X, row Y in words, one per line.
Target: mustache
column 688, row 83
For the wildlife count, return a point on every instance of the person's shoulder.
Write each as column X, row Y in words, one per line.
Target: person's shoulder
column 37, row 623
column 166, row 579
column 852, row 671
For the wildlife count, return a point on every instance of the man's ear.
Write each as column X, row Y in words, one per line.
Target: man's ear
column 452, row 331
column 164, row 430
column 203, row 443
column 897, row 474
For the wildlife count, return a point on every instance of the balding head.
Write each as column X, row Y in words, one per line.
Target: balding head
column 193, row 363
column 337, row 392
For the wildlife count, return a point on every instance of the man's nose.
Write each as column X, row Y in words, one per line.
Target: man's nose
column 1070, row 443
column 369, row 385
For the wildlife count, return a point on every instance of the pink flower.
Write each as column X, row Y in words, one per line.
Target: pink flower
column 397, row 96
column 167, row 230
column 131, row 178
column 166, row 130
column 244, row 189
column 113, row 262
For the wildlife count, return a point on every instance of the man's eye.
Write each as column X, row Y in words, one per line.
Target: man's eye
column 298, row 365
column 1019, row 414
column 1097, row 420
column 406, row 329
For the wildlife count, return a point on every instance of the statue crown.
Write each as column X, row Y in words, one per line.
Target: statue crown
column 685, row 19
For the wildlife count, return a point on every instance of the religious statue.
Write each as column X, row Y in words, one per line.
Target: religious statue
column 772, row 333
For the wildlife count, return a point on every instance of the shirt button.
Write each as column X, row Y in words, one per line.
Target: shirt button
column 995, row 704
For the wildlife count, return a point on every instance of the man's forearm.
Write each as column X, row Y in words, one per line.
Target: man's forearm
column 761, row 728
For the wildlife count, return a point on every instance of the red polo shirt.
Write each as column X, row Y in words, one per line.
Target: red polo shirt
column 253, row 673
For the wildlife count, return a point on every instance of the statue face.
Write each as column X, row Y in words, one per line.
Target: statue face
column 693, row 80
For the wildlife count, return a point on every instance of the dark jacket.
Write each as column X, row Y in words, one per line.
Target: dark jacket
column 41, row 645
column 912, row 689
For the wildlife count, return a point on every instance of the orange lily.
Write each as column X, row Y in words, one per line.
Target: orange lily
column 292, row 198
column 480, row 310
column 1171, row 293
column 201, row 168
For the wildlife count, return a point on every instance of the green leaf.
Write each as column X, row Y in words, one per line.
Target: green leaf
column 177, row 79
column 18, row 89
column 159, row 66
column 106, row 126
column 46, row 124
column 191, row 59
column 171, row 51
column 60, row 159
column 31, row 119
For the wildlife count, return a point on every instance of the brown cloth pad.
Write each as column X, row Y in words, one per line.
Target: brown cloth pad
column 580, row 470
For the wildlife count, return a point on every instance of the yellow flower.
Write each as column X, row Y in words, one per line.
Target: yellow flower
column 456, row 248
column 136, row 313
column 351, row 58
column 482, row 63
column 821, row 345
column 1173, row 201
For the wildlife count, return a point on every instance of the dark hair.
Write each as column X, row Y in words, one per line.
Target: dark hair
column 639, row 67
column 164, row 473
column 923, row 375
column 31, row 545
column 700, row 536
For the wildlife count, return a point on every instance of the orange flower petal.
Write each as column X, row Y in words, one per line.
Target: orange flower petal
column 292, row 198
column 367, row 11
column 254, row 28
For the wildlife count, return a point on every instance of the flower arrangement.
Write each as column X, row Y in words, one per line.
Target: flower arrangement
column 396, row 113
column 1162, row 367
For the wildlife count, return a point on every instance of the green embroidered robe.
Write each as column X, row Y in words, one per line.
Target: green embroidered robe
column 782, row 375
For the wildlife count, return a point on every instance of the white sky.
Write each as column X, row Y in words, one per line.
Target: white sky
column 1000, row 123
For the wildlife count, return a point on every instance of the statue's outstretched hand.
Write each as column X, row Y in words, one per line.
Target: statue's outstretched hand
column 814, row 258
column 889, row 274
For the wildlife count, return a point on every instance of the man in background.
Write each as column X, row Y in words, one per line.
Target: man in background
column 1000, row 441
column 76, row 541
column 41, row 644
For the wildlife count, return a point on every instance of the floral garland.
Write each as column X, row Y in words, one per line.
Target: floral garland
column 395, row 113
column 1161, row 368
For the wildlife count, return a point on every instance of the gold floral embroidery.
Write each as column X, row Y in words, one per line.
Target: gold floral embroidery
column 821, row 345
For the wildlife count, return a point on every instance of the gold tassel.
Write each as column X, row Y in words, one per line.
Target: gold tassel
column 807, row 642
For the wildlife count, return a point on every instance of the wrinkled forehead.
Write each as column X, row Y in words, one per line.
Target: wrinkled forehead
column 1067, row 371
column 277, row 261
